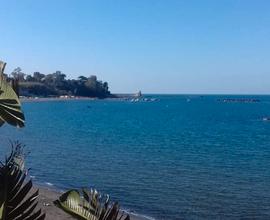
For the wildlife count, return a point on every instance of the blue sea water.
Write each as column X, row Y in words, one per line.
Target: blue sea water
column 182, row 157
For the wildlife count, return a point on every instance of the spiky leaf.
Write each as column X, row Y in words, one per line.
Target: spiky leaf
column 90, row 206
column 10, row 107
column 71, row 203
column 15, row 204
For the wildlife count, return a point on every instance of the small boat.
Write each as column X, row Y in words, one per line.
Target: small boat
column 266, row 119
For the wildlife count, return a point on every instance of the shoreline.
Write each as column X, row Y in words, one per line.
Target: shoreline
column 49, row 194
column 52, row 99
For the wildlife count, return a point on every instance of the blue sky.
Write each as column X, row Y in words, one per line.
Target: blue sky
column 150, row 45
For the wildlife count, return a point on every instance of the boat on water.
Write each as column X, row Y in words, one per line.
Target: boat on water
column 144, row 100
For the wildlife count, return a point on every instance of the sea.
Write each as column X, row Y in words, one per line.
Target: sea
column 176, row 157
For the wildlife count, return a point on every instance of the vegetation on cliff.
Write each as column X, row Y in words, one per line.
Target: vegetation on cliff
column 56, row 84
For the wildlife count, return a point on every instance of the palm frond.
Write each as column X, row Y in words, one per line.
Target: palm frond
column 91, row 205
column 10, row 107
column 15, row 204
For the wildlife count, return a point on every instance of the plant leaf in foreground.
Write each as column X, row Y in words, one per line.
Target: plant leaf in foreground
column 14, row 202
column 10, row 107
column 90, row 206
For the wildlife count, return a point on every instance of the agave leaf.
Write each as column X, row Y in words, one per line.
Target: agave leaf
column 71, row 202
column 14, row 202
column 90, row 206
column 17, row 155
column 10, row 107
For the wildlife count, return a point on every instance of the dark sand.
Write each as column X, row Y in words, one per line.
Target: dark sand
column 46, row 198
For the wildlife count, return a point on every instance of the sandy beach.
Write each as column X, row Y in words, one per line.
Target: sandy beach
column 46, row 198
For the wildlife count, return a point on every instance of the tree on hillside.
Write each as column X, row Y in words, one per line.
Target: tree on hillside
column 29, row 78
column 106, row 86
column 37, row 76
column 91, row 83
column 59, row 76
column 56, row 84
column 82, row 78
column 18, row 74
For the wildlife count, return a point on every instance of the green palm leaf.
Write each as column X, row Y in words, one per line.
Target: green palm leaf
column 10, row 107
column 90, row 206
column 14, row 202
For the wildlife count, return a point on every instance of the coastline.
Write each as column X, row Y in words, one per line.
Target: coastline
column 41, row 99
column 52, row 99
column 46, row 197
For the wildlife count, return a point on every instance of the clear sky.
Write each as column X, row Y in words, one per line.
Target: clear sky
column 181, row 46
